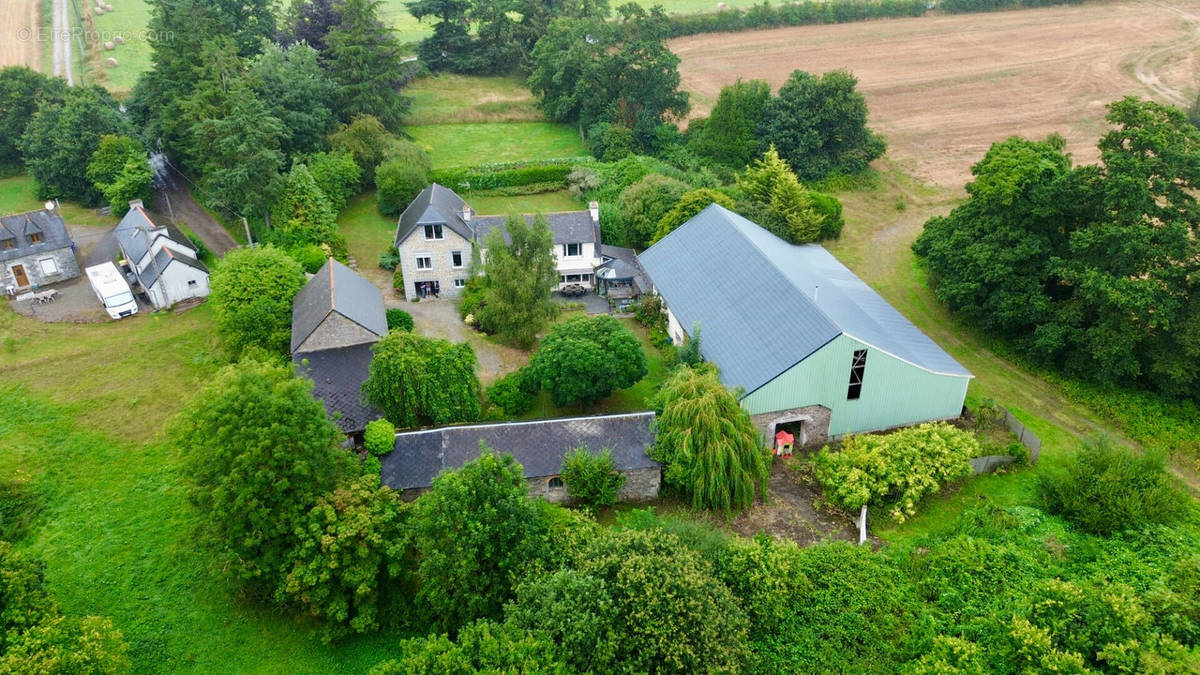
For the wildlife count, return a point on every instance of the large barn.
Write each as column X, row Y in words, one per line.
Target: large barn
column 810, row 346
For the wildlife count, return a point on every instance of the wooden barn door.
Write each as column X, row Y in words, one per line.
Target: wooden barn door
column 19, row 273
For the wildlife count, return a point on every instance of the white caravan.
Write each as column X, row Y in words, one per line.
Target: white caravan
column 112, row 290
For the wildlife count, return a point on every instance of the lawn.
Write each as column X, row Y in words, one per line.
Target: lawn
column 128, row 20
column 447, row 98
column 84, row 409
column 17, row 196
column 545, row 202
column 482, row 143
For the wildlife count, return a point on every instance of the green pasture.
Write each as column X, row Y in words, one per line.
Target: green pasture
column 482, row 143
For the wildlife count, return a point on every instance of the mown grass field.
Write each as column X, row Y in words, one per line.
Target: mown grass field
column 17, row 196
column 448, row 98
column 481, row 143
column 128, row 20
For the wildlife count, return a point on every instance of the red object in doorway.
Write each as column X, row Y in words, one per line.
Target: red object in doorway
column 783, row 443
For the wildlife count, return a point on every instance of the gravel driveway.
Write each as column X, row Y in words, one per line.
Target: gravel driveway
column 439, row 319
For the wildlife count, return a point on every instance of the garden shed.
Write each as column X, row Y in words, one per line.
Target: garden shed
column 811, row 346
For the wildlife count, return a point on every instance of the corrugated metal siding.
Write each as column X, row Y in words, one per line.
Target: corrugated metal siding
column 894, row 393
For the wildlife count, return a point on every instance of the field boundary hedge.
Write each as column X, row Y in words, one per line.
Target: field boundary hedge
column 809, row 13
column 509, row 174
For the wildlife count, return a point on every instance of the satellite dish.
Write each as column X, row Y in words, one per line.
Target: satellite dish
column 50, row 205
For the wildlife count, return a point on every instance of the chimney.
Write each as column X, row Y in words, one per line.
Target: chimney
column 135, row 204
column 594, row 209
column 466, row 213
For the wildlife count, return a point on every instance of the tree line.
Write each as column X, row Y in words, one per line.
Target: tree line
column 1086, row 269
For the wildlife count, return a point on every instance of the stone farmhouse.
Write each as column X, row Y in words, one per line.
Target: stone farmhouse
column 539, row 446
column 438, row 232
column 167, row 270
column 813, row 349
column 336, row 318
column 35, row 250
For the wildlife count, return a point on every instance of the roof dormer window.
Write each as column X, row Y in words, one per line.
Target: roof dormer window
column 35, row 237
column 433, row 232
column 8, row 244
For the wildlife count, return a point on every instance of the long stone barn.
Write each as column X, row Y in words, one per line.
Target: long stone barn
column 539, row 446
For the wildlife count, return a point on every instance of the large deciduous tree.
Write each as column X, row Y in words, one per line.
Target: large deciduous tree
column 728, row 135
column 252, row 292
column 303, row 215
column 589, row 71
column 309, row 21
column 351, row 565
column 819, row 125
column 644, row 203
column 258, row 452
column 518, row 276
column 586, row 359
column 21, row 92
column 120, row 169
column 365, row 60
column 297, row 92
column 477, row 533
column 417, row 380
column 707, row 442
column 62, row 136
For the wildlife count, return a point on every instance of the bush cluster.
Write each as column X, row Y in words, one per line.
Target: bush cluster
column 591, row 478
column 513, row 393
column 896, row 469
column 398, row 319
column 379, row 438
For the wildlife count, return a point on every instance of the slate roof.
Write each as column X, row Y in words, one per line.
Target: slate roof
column 129, row 234
column 538, row 445
column 337, row 288
column 163, row 259
column 19, row 226
column 765, row 305
column 338, row 375
column 623, row 264
column 435, row 204
column 568, row 227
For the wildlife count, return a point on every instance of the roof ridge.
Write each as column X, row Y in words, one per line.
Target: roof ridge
column 487, row 425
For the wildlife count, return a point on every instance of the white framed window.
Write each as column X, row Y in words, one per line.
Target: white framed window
column 48, row 266
column 459, row 283
column 585, row 277
column 433, row 232
column 425, row 262
column 456, row 259
column 572, row 250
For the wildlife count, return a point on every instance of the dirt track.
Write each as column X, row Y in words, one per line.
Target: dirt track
column 19, row 24
column 942, row 89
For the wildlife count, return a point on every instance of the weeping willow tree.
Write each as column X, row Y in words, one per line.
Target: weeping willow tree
column 707, row 443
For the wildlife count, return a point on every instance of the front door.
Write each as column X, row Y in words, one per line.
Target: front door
column 19, row 273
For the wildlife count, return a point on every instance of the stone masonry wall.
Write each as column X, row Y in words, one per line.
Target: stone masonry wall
column 439, row 250
column 814, row 427
column 64, row 258
column 334, row 332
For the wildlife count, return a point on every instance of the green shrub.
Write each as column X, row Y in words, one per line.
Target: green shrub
column 650, row 311
column 398, row 279
column 897, row 469
column 398, row 319
column 1104, row 489
column 390, row 259
column 398, row 184
column 513, row 393
column 481, row 647
column 512, row 174
column 591, row 477
column 310, row 256
column 379, row 438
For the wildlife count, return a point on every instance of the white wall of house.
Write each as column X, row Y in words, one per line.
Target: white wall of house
column 674, row 330
column 178, row 282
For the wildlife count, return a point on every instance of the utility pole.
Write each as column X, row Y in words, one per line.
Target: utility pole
column 249, row 241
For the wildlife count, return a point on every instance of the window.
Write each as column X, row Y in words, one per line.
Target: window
column 48, row 266
column 555, row 483
column 424, row 262
column 35, row 237
column 191, row 282
column 459, row 283
column 857, row 368
column 573, row 249
column 585, row 277
column 574, row 278
column 433, row 231
column 8, row 244
column 456, row 259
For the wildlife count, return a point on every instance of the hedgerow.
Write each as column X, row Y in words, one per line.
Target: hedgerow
column 509, row 174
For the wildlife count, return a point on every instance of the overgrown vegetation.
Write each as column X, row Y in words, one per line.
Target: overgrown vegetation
column 585, row 359
column 417, row 380
column 252, row 292
column 591, row 477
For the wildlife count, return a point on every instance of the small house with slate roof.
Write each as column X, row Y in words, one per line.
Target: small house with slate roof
column 336, row 319
column 436, row 233
column 167, row 269
column 539, row 446
column 35, row 250
column 814, row 350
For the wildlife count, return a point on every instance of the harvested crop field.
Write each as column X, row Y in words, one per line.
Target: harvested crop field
column 943, row 89
column 20, row 23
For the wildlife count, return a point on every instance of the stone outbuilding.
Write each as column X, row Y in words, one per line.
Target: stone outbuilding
column 336, row 319
column 539, row 446
column 35, row 250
